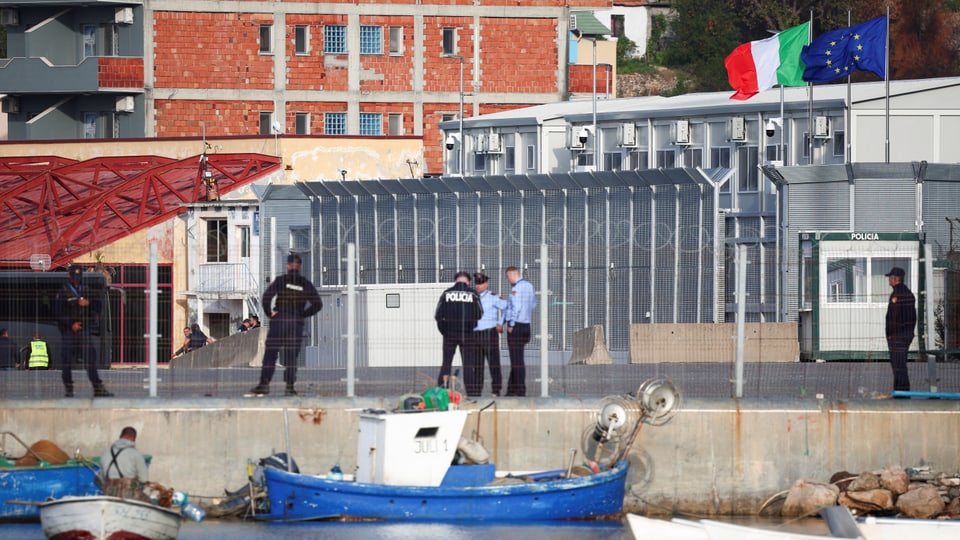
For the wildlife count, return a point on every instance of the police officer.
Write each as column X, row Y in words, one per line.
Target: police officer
column 457, row 313
column 901, row 319
column 9, row 354
column 39, row 357
column 296, row 299
column 76, row 310
column 518, row 317
column 486, row 336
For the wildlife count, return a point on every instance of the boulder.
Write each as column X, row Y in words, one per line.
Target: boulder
column 842, row 479
column 895, row 479
column 807, row 496
column 867, row 502
column 865, row 482
column 953, row 508
column 922, row 502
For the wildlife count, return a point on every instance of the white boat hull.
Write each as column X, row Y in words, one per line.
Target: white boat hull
column 645, row 528
column 104, row 518
column 899, row 529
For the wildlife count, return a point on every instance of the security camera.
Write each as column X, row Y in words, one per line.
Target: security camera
column 451, row 142
column 771, row 128
column 583, row 134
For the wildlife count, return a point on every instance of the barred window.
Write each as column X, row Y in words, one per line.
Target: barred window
column 371, row 124
column 335, row 39
column 371, row 40
column 335, row 123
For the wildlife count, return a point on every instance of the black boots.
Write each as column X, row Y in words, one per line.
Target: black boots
column 101, row 391
column 290, row 391
column 260, row 389
column 67, row 390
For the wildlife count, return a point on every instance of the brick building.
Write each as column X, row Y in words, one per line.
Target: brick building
column 341, row 67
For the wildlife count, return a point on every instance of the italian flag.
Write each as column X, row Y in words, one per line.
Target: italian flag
column 757, row 66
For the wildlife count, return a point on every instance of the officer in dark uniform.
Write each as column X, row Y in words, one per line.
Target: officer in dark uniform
column 293, row 293
column 77, row 310
column 901, row 319
column 458, row 311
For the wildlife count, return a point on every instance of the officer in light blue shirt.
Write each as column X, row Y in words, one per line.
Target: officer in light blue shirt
column 517, row 317
column 486, row 337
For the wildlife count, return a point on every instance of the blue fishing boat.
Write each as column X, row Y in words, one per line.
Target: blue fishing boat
column 41, row 480
column 405, row 471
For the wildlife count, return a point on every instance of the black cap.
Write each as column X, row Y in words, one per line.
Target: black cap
column 75, row 271
column 293, row 258
column 896, row 271
column 480, row 277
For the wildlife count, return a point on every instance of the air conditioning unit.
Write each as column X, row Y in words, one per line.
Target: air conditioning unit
column 681, row 132
column 125, row 104
column 821, row 127
column 737, row 129
column 9, row 17
column 573, row 21
column 627, row 135
column 494, row 145
column 573, row 138
column 480, row 144
column 10, row 105
column 123, row 15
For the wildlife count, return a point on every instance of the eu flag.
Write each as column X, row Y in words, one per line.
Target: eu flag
column 839, row 53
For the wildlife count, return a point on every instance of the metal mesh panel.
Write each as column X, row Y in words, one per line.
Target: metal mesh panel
column 468, row 232
column 708, row 255
column 894, row 195
column 642, row 251
column 426, row 238
column 512, row 231
column 348, row 232
column 532, row 225
column 329, row 241
column 665, row 200
column 447, row 235
column 490, row 239
column 406, row 252
column 597, row 267
column 618, row 218
column 576, row 233
column 554, row 226
column 939, row 204
column 367, row 239
column 386, row 239
column 688, row 240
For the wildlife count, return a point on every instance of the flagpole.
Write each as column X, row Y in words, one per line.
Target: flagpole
column 849, row 148
column 783, row 125
column 810, row 103
column 886, row 76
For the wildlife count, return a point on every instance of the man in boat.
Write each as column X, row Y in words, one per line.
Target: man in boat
column 296, row 299
column 123, row 469
column 457, row 313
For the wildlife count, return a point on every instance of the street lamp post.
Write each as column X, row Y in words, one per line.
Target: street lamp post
column 578, row 35
column 461, row 156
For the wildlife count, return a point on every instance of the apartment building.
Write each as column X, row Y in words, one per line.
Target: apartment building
column 103, row 69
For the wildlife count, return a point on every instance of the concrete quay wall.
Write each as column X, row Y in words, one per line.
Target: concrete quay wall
column 713, row 457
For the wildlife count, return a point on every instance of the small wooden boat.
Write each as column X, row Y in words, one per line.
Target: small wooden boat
column 40, row 480
column 404, row 471
column 107, row 518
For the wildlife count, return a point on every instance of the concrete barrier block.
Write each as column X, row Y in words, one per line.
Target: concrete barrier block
column 243, row 349
column 708, row 342
column 590, row 347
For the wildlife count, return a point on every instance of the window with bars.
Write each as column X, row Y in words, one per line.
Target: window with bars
column 301, row 39
column 302, row 121
column 371, row 124
column 335, row 123
column 335, row 39
column 266, row 38
column 371, row 40
column 300, row 239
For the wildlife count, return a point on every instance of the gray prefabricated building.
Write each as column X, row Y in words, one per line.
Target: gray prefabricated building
column 872, row 202
column 624, row 247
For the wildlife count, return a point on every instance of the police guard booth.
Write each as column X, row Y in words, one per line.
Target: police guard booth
column 844, row 291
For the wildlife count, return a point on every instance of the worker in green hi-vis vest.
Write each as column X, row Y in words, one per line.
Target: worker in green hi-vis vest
column 39, row 357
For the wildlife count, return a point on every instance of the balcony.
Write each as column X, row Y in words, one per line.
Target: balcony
column 224, row 280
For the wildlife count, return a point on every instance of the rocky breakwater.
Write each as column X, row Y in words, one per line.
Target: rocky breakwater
column 914, row 492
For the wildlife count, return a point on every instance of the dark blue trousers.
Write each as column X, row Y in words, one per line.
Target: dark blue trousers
column 284, row 337
column 78, row 346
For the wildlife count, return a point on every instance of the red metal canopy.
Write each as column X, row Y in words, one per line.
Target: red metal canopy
column 64, row 208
